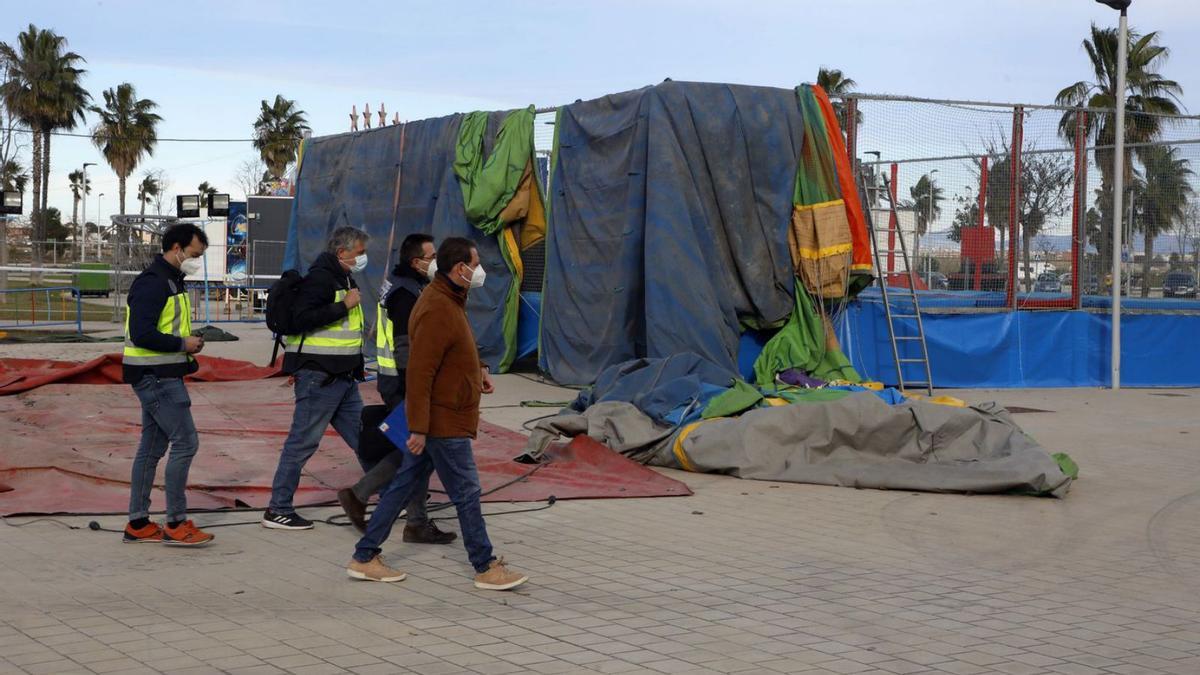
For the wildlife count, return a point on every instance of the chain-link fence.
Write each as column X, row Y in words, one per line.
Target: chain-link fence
column 979, row 209
column 990, row 223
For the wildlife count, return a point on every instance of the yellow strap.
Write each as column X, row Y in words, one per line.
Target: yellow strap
column 678, row 446
column 807, row 207
column 814, row 253
column 514, row 254
column 776, row 402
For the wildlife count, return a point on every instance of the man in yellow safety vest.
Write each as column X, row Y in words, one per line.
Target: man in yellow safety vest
column 157, row 355
column 326, row 362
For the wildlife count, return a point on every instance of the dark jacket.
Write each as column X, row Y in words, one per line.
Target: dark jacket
column 444, row 378
column 399, row 305
column 314, row 308
column 147, row 296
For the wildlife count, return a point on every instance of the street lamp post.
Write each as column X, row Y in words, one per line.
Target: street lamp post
column 99, row 215
column 1118, row 186
column 83, row 226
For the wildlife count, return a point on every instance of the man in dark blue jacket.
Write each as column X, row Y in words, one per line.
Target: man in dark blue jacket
column 157, row 355
column 326, row 363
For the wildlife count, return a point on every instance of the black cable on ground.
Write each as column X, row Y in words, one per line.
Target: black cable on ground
column 432, row 507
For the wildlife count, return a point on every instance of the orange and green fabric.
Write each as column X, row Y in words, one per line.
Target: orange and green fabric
column 502, row 198
column 860, row 260
column 829, row 239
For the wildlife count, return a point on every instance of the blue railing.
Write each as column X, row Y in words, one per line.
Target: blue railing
column 30, row 307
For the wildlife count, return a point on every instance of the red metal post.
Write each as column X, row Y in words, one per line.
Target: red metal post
column 851, row 129
column 1014, row 203
column 893, row 225
column 983, row 187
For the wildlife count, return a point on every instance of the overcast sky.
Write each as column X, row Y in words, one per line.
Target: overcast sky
column 208, row 64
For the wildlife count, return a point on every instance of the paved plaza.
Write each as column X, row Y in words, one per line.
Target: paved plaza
column 743, row 576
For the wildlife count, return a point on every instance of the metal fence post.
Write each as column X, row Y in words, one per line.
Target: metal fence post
column 983, row 188
column 1079, row 211
column 1014, row 203
column 851, row 129
column 893, row 225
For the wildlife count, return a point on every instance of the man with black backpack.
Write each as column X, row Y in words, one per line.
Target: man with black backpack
column 324, row 356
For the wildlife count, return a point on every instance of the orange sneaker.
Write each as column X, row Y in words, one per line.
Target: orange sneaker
column 187, row 534
column 150, row 533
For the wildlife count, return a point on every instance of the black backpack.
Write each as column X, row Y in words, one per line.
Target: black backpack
column 280, row 315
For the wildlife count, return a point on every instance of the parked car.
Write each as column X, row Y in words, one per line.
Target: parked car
column 1090, row 286
column 936, row 281
column 1065, row 279
column 1179, row 285
column 1047, row 282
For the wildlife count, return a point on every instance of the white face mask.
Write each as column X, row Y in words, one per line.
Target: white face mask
column 360, row 263
column 190, row 266
column 478, row 276
column 431, row 271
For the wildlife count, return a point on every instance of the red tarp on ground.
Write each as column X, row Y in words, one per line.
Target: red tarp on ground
column 68, row 449
column 17, row 375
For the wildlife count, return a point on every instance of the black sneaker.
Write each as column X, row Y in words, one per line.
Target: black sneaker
column 282, row 521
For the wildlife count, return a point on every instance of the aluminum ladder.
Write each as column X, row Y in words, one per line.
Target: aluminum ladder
column 900, row 304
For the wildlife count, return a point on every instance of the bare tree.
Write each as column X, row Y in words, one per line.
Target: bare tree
column 1187, row 231
column 1045, row 246
column 164, row 184
column 250, row 176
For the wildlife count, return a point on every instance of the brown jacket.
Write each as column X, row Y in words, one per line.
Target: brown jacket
column 443, row 378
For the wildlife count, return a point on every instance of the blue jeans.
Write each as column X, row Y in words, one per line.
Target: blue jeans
column 379, row 475
column 166, row 421
column 455, row 465
column 317, row 406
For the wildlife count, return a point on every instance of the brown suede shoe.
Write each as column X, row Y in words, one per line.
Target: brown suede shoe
column 427, row 534
column 499, row 578
column 355, row 510
column 375, row 570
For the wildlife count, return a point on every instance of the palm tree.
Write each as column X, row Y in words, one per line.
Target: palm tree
column 78, row 189
column 127, row 131
column 205, row 190
column 42, row 91
column 923, row 207
column 277, row 133
column 1149, row 95
column 147, row 191
column 1164, row 202
column 837, row 86
column 67, row 111
column 13, row 176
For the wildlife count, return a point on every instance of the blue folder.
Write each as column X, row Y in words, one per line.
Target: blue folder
column 395, row 427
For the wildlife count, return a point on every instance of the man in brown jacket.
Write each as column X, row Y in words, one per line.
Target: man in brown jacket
column 444, row 383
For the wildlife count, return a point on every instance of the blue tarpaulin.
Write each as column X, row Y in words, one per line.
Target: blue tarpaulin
column 669, row 209
column 1030, row 349
column 350, row 179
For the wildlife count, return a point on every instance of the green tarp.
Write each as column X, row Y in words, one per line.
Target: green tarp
column 488, row 185
column 801, row 344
